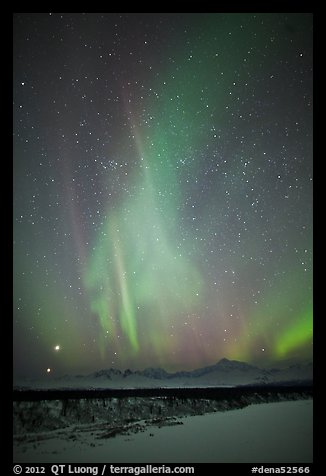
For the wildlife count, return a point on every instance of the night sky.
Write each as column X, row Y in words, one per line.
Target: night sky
column 162, row 190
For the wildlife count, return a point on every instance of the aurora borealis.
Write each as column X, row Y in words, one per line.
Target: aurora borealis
column 162, row 190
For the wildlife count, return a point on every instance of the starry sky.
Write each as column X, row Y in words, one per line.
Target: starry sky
column 162, row 198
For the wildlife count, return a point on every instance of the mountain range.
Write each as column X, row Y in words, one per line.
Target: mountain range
column 224, row 373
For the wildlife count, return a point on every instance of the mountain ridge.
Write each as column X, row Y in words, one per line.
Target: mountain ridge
column 158, row 372
column 223, row 373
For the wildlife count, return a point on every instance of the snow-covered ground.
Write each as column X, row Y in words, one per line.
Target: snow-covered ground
column 266, row 433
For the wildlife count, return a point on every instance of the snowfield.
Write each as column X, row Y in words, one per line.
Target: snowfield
column 199, row 416
column 155, row 431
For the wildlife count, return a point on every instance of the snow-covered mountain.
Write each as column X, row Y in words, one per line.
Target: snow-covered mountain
column 223, row 373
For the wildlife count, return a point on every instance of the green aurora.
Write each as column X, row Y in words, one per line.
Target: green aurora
column 184, row 234
column 140, row 279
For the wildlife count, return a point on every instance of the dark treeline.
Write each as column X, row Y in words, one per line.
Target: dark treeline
column 304, row 390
